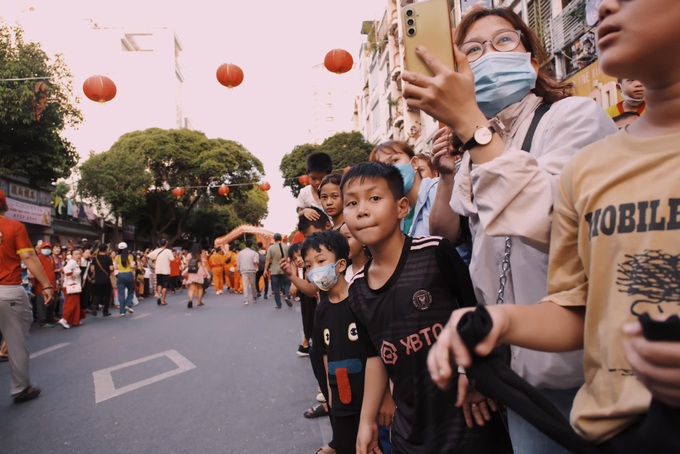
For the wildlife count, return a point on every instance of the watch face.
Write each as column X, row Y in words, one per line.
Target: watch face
column 483, row 136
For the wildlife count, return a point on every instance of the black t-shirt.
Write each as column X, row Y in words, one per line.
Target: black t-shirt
column 335, row 335
column 101, row 276
column 399, row 322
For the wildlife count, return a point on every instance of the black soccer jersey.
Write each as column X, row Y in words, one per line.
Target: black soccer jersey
column 400, row 322
column 335, row 335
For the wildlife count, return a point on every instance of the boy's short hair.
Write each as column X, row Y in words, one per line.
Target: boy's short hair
column 249, row 244
column 293, row 249
column 319, row 162
column 321, row 223
column 365, row 170
column 260, row 245
column 332, row 240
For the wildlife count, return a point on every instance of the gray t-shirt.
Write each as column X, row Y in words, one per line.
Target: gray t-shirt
column 275, row 253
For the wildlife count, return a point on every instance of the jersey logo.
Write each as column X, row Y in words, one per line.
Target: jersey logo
column 388, row 352
column 327, row 336
column 422, row 300
column 352, row 333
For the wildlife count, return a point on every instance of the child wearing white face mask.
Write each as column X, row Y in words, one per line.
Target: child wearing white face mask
column 633, row 94
column 516, row 128
column 336, row 335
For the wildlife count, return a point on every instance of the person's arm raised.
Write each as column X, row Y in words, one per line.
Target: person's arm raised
column 302, row 285
column 449, row 96
column 443, row 220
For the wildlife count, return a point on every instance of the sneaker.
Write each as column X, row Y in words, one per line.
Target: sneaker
column 106, row 314
column 130, row 310
column 121, row 314
column 64, row 323
column 287, row 300
column 302, row 351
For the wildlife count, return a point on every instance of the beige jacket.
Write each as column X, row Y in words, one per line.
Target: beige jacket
column 513, row 195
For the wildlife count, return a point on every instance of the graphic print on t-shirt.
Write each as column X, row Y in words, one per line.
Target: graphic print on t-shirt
column 653, row 277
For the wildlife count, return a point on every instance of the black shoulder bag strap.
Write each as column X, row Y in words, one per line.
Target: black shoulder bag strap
column 538, row 114
column 108, row 273
column 281, row 249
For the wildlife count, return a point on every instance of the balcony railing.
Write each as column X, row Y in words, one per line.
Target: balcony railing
column 568, row 26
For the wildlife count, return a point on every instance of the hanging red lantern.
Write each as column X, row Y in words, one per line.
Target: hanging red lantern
column 346, row 169
column 178, row 192
column 99, row 88
column 338, row 61
column 224, row 190
column 229, row 75
column 265, row 186
column 304, row 180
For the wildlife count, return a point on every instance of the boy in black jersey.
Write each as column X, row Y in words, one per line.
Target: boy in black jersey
column 335, row 334
column 402, row 299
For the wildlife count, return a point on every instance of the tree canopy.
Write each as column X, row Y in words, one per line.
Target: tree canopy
column 135, row 177
column 344, row 148
column 34, row 112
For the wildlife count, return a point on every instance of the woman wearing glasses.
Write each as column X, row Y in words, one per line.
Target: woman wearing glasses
column 516, row 128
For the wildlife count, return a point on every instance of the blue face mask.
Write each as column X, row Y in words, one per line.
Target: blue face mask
column 502, row 79
column 323, row 278
column 408, row 174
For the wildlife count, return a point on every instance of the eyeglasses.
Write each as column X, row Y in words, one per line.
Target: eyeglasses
column 503, row 41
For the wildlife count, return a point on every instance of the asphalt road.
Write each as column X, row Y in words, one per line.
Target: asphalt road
column 222, row 378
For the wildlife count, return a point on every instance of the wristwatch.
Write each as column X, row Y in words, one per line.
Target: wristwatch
column 482, row 136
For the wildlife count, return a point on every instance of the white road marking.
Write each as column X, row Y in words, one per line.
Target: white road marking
column 48, row 350
column 105, row 389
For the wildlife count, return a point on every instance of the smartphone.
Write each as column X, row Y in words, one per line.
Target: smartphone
column 428, row 24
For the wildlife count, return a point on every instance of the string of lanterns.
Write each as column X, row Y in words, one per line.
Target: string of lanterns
column 225, row 190
column 101, row 89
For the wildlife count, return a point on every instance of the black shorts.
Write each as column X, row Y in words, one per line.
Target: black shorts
column 163, row 280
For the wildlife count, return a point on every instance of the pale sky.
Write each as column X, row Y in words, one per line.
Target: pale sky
column 275, row 43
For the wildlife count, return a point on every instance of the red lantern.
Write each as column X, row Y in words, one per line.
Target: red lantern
column 346, row 169
column 99, row 88
column 229, row 75
column 265, row 186
column 224, row 190
column 338, row 61
column 178, row 192
column 304, row 180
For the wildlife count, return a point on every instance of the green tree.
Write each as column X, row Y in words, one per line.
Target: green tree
column 34, row 112
column 168, row 159
column 344, row 148
column 117, row 179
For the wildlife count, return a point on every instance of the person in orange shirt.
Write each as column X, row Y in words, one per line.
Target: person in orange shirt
column 216, row 265
column 176, row 272
column 16, row 314
column 231, row 270
column 45, row 310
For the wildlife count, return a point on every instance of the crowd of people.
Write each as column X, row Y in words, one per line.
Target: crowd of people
column 514, row 290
